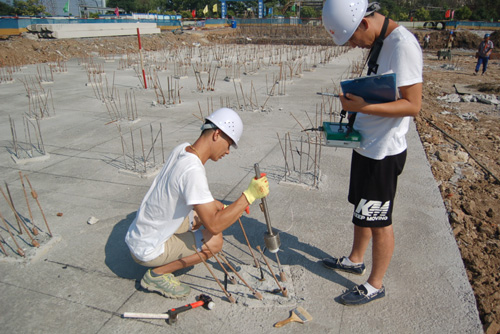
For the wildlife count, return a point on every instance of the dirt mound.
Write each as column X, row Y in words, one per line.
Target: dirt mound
column 463, row 39
column 488, row 88
column 27, row 49
column 462, row 142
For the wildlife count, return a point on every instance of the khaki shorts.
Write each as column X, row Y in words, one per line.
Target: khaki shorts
column 178, row 246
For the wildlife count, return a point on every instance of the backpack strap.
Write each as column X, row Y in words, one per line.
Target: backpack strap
column 372, row 60
column 375, row 50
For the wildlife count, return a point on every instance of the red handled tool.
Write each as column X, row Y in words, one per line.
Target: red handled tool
column 171, row 315
column 203, row 300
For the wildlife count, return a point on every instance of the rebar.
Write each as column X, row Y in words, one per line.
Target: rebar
column 283, row 290
column 19, row 220
column 34, row 229
column 19, row 249
column 228, row 295
column 35, row 196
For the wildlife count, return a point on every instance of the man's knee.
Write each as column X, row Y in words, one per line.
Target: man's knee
column 382, row 233
column 215, row 242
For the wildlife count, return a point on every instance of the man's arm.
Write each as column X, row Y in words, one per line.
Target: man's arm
column 409, row 104
column 215, row 219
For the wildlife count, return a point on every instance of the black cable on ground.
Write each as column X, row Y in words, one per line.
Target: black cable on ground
column 465, row 148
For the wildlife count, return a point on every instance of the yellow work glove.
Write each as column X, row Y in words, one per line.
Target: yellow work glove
column 258, row 188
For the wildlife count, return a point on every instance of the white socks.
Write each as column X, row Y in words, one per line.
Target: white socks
column 348, row 262
column 370, row 289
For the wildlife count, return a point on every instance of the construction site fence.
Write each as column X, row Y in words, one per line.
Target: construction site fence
column 270, row 21
column 452, row 25
column 10, row 26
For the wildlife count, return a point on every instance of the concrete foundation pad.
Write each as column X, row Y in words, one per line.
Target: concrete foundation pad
column 23, row 161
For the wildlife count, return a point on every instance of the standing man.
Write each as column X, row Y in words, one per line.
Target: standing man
column 376, row 165
column 179, row 211
column 483, row 53
column 427, row 40
column 451, row 38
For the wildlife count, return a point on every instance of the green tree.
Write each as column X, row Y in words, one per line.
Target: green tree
column 127, row 5
column 404, row 17
column 29, row 8
column 422, row 14
column 463, row 13
column 186, row 14
column 307, row 11
column 6, row 9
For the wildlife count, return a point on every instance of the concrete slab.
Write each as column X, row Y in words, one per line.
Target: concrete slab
column 88, row 279
column 79, row 30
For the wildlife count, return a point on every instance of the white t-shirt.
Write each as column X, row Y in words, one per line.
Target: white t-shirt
column 385, row 136
column 181, row 184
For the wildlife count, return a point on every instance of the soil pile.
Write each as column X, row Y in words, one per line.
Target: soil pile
column 462, row 142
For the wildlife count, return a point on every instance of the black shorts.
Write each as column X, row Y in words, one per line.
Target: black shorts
column 372, row 188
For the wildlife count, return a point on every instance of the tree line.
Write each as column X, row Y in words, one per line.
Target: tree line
column 398, row 10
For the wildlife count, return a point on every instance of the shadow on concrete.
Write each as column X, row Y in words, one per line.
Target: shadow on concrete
column 117, row 254
column 292, row 250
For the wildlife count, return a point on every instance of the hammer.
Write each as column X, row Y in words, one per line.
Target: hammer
column 171, row 315
column 203, row 300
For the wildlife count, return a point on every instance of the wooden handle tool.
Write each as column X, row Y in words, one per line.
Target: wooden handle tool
column 299, row 314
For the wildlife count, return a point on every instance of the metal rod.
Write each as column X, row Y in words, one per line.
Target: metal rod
column 282, row 272
column 19, row 249
column 291, row 149
column 284, row 155
column 133, row 149
column 257, row 264
column 35, row 196
column 123, row 146
column 255, row 292
column 11, row 204
column 228, row 295
column 264, row 202
column 143, row 153
column 14, row 137
column 231, row 278
column 152, row 143
column 34, row 230
column 1, row 246
column 283, row 290
column 19, row 220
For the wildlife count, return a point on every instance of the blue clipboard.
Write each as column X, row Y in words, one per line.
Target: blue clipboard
column 374, row 89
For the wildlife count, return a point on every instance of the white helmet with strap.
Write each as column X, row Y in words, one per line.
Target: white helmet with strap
column 228, row 121
column 341, row 18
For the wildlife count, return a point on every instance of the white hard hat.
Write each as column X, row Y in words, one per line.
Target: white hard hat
column 228, row 121
column 341, row 18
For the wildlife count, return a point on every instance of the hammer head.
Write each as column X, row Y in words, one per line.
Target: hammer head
column 207, row 301
column 172, row 319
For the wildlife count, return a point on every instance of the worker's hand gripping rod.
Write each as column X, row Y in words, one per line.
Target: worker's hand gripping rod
column 271, row 240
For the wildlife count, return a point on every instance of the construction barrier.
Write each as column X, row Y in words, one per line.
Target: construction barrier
column 10, row 26
column 61, row 31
